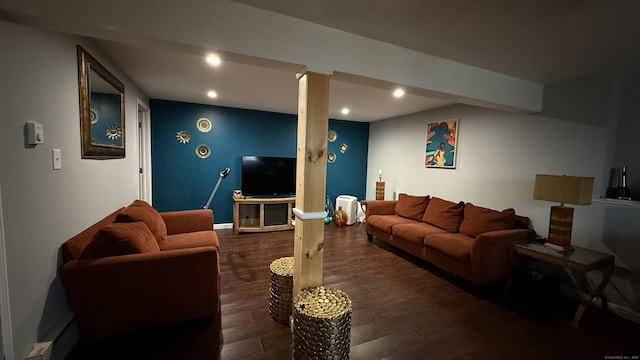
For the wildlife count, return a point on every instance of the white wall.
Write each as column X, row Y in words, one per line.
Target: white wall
column 499, row 154
column 41, row 207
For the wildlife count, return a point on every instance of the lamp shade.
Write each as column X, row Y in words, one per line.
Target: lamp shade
column 563, row 189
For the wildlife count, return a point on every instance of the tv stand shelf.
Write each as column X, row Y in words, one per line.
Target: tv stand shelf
column 262, row 214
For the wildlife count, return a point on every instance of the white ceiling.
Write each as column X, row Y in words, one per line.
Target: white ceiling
column 251, row 83
column 543, row 41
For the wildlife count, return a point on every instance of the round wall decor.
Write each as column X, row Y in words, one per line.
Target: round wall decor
column 332, row 135
column 114, row 132
column 203, row 151
column 344, row 147
column 331, row 157
column 94, row 116
column 183, row 136
column 204, row 124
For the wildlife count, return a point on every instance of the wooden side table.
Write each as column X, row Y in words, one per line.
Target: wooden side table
column 576, row 265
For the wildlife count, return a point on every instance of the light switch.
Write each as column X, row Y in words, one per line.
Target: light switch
column 35, row 133
column 56, row 155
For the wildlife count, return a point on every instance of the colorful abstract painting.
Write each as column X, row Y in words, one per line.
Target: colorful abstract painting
column 441, row 144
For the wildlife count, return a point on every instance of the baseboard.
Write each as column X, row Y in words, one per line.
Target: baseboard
column 622, row 311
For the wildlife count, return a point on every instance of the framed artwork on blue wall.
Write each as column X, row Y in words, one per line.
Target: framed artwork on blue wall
column 441, row 144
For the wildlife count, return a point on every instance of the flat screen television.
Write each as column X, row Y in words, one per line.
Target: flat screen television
column 265, row 176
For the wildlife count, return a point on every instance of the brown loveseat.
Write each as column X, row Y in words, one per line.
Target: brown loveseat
column 466, row 240
column 138, row 268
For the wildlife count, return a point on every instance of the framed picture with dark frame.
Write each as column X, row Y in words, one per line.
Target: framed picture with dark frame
column 441, row 144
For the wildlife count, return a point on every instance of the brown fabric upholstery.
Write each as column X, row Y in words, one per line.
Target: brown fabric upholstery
column 73, row 248
column 444, row 214
column 410, row 206
column 478, row 220
column 456, row 245
column 522, row 222
column 137, row 211
column 183, row 221
column 379, row 207
column 119, row 294
column 414, row 232
column 385, row 222
column 121, row 239
column 190, row 240
column 481, row 260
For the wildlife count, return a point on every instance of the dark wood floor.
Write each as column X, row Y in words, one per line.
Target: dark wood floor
column 403, row 308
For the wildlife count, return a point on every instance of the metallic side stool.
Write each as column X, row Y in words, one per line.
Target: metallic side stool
column 281, row 289
column 321, row 324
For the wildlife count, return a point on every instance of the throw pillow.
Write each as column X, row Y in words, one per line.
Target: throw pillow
column 142, row 211
column 444, row 214
column 121, row 239
column 411, row 207
column 478, row 220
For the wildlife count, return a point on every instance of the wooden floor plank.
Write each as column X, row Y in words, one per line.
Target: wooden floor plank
column 403, row 308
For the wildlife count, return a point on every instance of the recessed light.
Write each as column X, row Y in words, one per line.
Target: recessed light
column 345, row 111
column 398, row 93
column 213, row 60
column 212, row 94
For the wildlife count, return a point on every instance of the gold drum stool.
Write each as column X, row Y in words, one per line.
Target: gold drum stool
column 321, row 324
column 281, row 289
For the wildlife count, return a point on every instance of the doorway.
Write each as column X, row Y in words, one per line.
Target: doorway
column 144, row 152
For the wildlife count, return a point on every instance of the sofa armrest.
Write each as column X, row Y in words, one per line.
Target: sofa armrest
column 490, row 253
column 380, row 207
column 132, row 292
column 185, row 221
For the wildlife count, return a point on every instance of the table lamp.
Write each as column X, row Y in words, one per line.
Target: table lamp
column 563, row 189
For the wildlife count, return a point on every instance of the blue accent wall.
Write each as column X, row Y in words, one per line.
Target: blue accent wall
column 108, row 113
column 182, row 180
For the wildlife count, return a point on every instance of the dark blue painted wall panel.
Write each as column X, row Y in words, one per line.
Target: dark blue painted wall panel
column 182, row 180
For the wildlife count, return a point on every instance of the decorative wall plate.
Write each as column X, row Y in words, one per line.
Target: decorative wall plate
column 203, row 151
column 204, row 124
column 331, row 157
column 183, row 136
column 94, row 115
column 114, row 132
column 343, row 148
column 332, row 136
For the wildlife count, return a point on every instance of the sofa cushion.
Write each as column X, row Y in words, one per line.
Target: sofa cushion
column 142, row 211
column 121, row 239
column 191, row 240
column 411, row 207
column 444, row 214
column 386, row 222
column 457, row 245
column 478, row 220
column 414, row 232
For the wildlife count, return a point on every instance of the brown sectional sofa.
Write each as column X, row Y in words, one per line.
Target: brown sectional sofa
column 138, row 268
column 464, row 239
